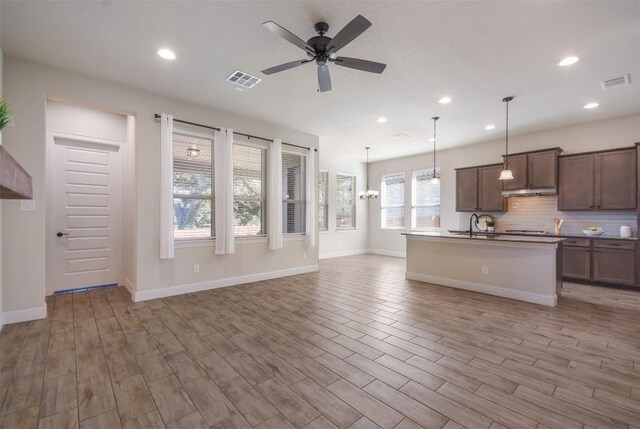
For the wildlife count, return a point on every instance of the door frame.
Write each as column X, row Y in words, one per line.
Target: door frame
column 50, row 228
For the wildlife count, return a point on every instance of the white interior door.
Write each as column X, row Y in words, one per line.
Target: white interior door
column 85, row 208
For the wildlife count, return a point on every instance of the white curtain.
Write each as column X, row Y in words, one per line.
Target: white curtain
column 312, row 197
column 223, row 157
column 166, row 186
column 274, row 205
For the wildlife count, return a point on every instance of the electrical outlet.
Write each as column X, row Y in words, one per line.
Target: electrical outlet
column 196, row 268
column 485, row 269
column 304, row 255
column 27, row 205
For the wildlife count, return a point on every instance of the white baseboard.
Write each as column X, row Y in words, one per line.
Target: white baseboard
column 342, row 253
column 130, row 286
column 24, row 315
column 214, row 284
column 387, row 253
column 549, row 300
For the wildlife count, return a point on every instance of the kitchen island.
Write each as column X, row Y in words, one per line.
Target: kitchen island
column 523, row 268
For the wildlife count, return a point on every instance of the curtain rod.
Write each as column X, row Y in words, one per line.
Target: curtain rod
column 249, row 136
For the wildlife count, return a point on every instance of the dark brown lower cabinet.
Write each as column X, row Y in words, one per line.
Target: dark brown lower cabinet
column 576, row 262
column 601, row 261
column 614, row 266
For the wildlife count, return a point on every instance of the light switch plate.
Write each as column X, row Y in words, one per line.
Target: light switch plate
column 27, row 205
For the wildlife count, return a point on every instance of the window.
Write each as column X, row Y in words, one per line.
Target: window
column 293, row 193
column 323, row 206
column 392, row 201
column 426, row 200
column 346, row 202
column 193, row 207
column 249, row 191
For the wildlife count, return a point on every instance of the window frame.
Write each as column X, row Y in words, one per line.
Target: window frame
column 263, row 218
column 415, row 206
column 354, row 211
column 383, row 190
column 302, row 202
column 323, row 228
column 207, row 136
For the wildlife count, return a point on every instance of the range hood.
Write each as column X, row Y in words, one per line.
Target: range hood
column 530, row 192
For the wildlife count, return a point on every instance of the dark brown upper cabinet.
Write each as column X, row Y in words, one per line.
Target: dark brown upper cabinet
column 575, row 177
column 467, row 190
column 534, row 170
column 598, row 181
column 479, row 189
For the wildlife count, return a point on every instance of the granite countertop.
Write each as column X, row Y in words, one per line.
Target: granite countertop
column 489, row 237
column 549, row 234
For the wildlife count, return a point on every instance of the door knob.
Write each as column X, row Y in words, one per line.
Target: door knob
column 60, row 234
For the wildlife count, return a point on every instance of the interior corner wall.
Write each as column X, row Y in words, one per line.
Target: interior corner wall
column 27, row 86
column 609, row 134
column 1, row 288
column 334, row 242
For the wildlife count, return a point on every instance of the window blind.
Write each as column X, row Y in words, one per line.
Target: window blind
column 392, row 203
column 323, row 206
column 293, row 193
column 249, row 193
column 192, row 186
column 345, row 201
column 426, row 200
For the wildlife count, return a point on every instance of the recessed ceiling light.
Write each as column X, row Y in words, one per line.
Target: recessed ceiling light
column 568, row 61
column 382, row 119
column 591, row 105
column 445, row 100
column 167, row 54
column 490, row 127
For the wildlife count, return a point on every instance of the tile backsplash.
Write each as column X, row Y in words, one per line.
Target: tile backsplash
column 539, row 212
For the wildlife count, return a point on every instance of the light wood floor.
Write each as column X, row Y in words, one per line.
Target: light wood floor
column 353, row 346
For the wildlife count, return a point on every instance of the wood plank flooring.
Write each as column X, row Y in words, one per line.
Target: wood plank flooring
column 353, row 346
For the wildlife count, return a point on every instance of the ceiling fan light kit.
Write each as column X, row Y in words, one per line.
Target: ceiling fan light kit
column 323, row 49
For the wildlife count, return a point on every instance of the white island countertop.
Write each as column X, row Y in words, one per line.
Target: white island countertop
column 489, row 237
column 526, row 268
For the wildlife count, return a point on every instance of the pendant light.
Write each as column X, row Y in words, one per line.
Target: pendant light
column 368, row 194
column 435, row 180
column 506, row 174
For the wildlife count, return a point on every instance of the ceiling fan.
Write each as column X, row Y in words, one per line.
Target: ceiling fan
column 323, row 49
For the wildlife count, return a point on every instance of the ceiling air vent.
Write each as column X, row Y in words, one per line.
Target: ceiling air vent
column 401, row 136
column 243, row 80
column 615, row 82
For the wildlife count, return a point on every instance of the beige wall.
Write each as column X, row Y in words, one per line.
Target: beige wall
column 27, row 87
column 614, row 133
column 1, row 287
column 335, row 242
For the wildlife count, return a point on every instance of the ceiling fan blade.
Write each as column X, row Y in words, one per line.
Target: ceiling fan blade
column 350, row 31
column 288, row 36
column 324, row 78
column 358, row 64
column 283, row 67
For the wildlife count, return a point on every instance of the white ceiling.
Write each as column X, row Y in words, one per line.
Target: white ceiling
column 476, row 52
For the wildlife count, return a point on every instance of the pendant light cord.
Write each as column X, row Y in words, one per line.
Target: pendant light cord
column 506, row 133
column 367, row 185
column 435, row 119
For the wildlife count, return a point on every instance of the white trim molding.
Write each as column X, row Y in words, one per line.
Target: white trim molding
column 130, row 286
column 393, row 253
column 25, row 315
column 342, row 253
column 214, row 284
column 548, row 300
